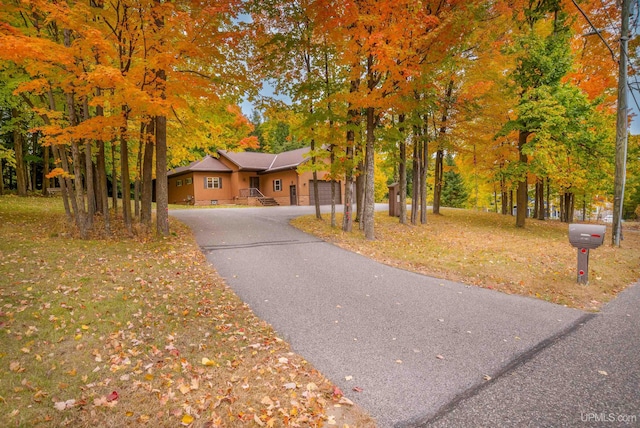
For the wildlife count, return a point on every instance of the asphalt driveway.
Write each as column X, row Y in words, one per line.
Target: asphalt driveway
column 414, row 346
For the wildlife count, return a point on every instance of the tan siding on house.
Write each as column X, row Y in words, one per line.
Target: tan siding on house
column 204, row 196
column 287, row 178
column 180, row 194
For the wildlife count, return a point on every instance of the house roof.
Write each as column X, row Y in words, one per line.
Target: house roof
column 249, row 161
column 290, row 159
column 206, row 164
column 266, row 162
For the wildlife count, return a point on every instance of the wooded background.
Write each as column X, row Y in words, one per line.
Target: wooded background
column 476, row 104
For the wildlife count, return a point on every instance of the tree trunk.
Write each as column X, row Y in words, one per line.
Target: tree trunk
column 439, row 167
column 124, row 171
column 360, row 191
column 332, row 156
column 522, row 199
column 46, row 155
column 1, row 176
column 77, row 200
column 536, row 201
column 90, row 182
column 18, row 146
column 65, row 186
column 438, row 180
column 80, row 213
column 89, row 179
column 353, row 123
column 402, row 172
column 101, row 169
column 416, row 178
column 31, row 166
column 568, row 205
column 369, row 201
column 424, row 159
column 137, row 183
column 101, row 172
column 162, row 187
column 332, row 159
column 540, row 199
column 147, row 175
column 114, row 180
column 505, row 202
column 97, row 186
column 347, row 219
column 504, row 196
column 548, row 205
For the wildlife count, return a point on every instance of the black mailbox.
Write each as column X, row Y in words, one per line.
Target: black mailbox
column 585, row 237
column 588, row 236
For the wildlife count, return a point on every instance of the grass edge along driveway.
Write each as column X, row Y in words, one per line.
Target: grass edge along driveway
column 487, row 250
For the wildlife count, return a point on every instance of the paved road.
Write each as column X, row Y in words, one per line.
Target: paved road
column 414, row 345
column 589, row 378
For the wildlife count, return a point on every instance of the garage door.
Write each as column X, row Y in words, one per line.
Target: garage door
column 324, row 193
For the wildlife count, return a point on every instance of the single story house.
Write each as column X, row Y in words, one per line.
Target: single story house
column 249, row 178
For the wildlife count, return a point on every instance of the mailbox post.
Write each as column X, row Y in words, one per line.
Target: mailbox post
column 585, row 237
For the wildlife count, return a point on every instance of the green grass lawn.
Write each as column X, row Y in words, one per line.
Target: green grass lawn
column 128, row 332
column 487, row 250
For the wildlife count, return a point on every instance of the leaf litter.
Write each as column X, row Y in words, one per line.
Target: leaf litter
column 129, row 332
column 487, row 250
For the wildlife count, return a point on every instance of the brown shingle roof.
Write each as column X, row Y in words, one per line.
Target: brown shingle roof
column 290, row 159
column 246, row 161
column 266, row 162
column 249, row 161
column 206, row 164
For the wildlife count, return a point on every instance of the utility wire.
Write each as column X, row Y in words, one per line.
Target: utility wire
column 613, row 55
column 631, row 65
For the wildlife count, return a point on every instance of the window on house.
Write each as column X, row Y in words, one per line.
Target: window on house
column 188, row 180
column 178, row 183
column 277, row 185
column 213, row 183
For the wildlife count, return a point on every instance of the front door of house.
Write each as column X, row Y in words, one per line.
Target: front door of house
column 293, row 196
column 254, row 183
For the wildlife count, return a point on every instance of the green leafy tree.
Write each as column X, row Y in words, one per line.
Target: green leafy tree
column 542, row 61
column 454, row 192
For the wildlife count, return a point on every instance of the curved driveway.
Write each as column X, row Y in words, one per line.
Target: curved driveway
column 411, row 344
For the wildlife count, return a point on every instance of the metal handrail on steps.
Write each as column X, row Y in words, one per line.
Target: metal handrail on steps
column 251, row 192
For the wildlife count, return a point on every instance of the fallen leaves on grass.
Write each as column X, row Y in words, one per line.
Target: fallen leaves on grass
column 487, row 250
column 128, row 332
